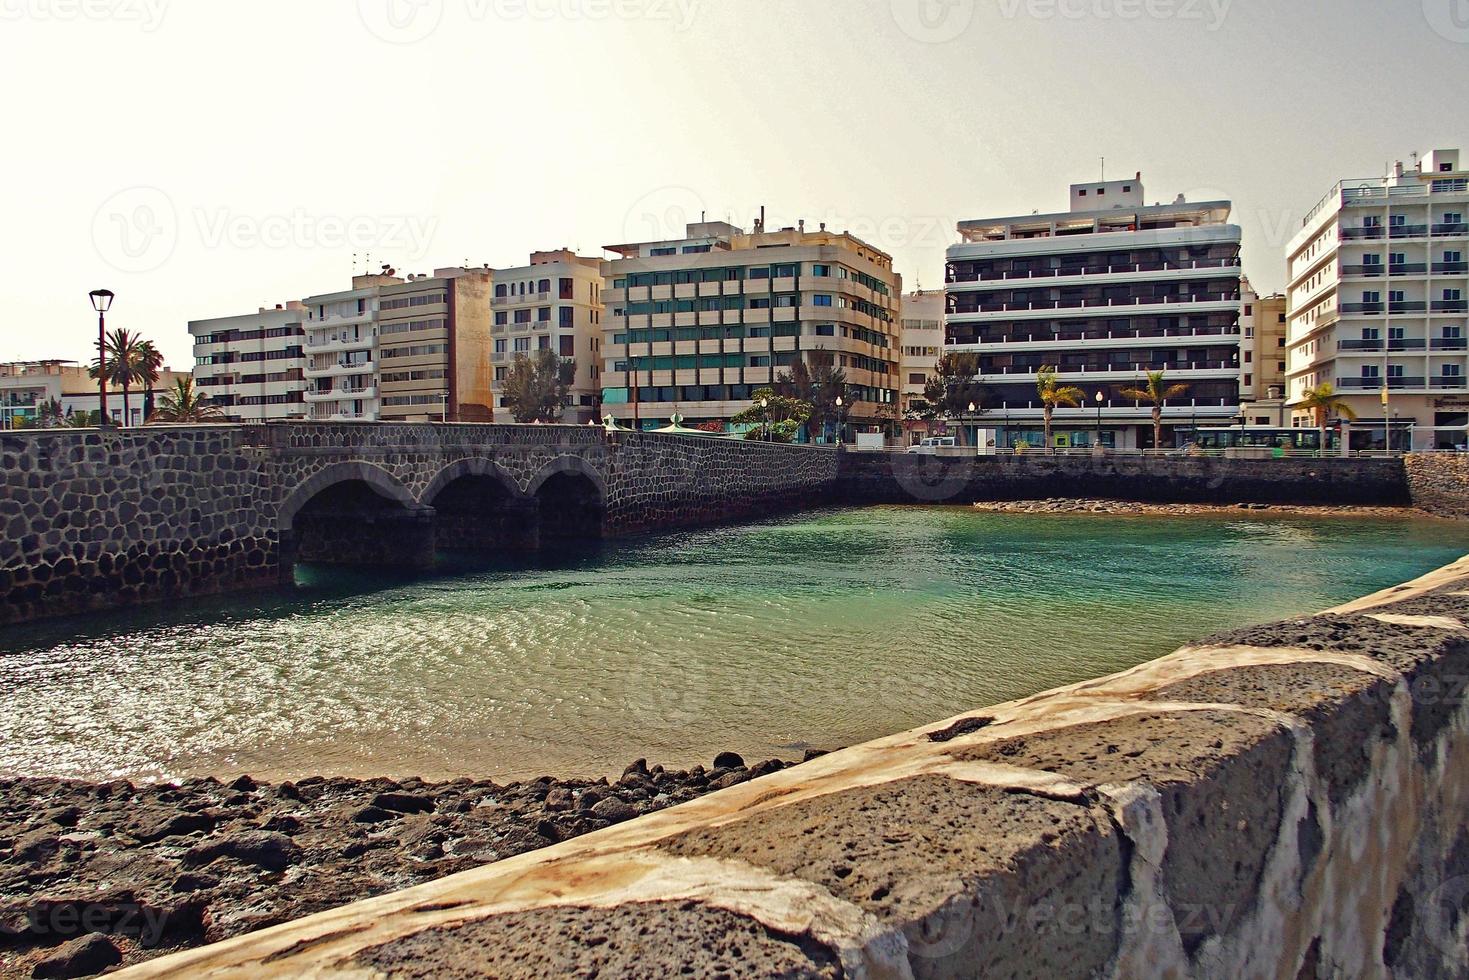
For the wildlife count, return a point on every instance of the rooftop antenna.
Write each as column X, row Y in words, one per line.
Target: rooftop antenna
column 1104, row 170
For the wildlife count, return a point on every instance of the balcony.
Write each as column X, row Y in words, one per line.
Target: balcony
column 332, row 394
column 1102, row 303
column 1375, row 384
column 1408, row 306
column 1449, row 382
column 1087, row 271
column 1069, row 371
column 1397, row 344
column 340, row 368
column 1409, row 231
column 338, row 342
column 1450, row 268
column 1444, row 230
column 1407, row 269
column 1450, row 306
column 1357, row 308
column 1370, row 271
column 1363, row 234
column 1450, row 343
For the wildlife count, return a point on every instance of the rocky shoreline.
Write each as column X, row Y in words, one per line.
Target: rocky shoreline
column 94, row 876
column 1074, row 505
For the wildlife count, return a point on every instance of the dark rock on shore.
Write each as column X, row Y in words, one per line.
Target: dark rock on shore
column 96, row 874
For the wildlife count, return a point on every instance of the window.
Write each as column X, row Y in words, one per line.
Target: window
column 1398, row 258
column 567, row 287
column 821, row 271
column 1453, row 218
column 568, row 346
column 1445, row 168
column 500, row 290
column 502, row 318
column 522, row 316
column 1395, row 371
column 1452, row 370
column 1398, row 220
column 500, row 346
column 1370, row 333
column 501, row 373
column 1453, row 295
column 543, row 315
column 543, row 343
column 1372, row 221
column 1083, row 192
column 1396, row 296
column 1370, row 371
column 1249, row 310
column 1395, row 333
column 1370, row 296
column 697, row 249
column 566, row 315
column 1453, row 257
column 522, row 345
column 917, row 379
column 1372, row 258
column 663, row 251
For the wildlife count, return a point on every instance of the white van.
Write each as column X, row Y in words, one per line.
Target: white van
column 932, row 445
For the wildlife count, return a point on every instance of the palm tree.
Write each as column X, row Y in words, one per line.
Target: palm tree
column 184, row 403
column 149, row 364
column 1054, row 394
column 1157, row 391
column 119, row 364
column 1324, row 401
column 49, row 414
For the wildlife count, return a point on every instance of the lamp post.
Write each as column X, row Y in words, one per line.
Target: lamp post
column 973, row 430
column 102, row 302
column 765, row 416
column 841, row 414
column 1100, row 399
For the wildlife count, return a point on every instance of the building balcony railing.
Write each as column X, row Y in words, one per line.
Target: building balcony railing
column 1450, row 268
column 1450, row 306
column 1137, row 368
column 1445, row 229
column 1360, row 234
column 1177, row 407
column 1378, row 269
column 1449, row 382
column 1450, row 343
column 1092, row 270
column 1408, row 306
column 1362, row 307
column 1077, row 336
column 1375, row 384
column 1401, row 344
column 1103, row 303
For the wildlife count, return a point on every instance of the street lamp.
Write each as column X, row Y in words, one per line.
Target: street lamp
column 102, row 302
column 841, row 411
column 765, row 416
column 1100, row 399
column 974, row 432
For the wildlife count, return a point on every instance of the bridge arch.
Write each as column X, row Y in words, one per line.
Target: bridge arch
column 571, row 495
column 478, row 507
column 355, row 514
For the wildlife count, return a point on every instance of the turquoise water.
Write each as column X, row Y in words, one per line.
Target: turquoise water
column 822, row 630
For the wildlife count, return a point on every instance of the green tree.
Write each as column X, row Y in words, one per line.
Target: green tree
column 49, row 414
column 1157, row 392
column 83, row 420
column 149, row 363
column 183, row 403
column 539, row 388
column 1053, row 394
column 1324, row 401
column 954, row 387
column 118, row 364
column 773, row 416
column 818, row 383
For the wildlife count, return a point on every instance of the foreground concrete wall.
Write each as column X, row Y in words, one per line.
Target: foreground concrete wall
column 894, row 478
column 1283, row 801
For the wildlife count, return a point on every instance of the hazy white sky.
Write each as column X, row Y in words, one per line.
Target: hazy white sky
column 204, row 158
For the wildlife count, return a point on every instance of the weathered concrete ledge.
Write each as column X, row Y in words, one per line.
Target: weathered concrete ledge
column 1281, row 801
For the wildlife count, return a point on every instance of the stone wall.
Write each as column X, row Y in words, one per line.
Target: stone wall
column 98, row 519
column 1440, row 482
column 1280, row 801
column 894, row 478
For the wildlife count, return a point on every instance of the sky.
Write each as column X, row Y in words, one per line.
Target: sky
column 205, row 159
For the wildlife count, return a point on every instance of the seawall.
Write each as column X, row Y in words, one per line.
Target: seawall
column 1281, row 801
column 893, row 478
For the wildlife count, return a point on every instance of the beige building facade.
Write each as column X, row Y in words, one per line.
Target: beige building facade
column 1263, row 359
column 695, row 325
column 922, row 343
column 554, row 303
column 26, row 385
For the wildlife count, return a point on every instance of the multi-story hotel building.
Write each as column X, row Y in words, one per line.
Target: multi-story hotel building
column 253, row 367
column 1104, row 292
column 27, row 385
column 694, row 326
column 555, row 304
column 921, row 340
column 1378, row 288
column 401, row 350
column 1263, row 362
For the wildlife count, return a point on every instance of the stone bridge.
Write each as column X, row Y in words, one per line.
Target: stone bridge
column 94, row 519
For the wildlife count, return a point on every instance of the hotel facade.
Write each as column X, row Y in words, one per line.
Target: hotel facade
column 555, row 304
column 695, row 325
column 922, row 342
column 396, row 349
column 1105, row 292
column 1378, row 281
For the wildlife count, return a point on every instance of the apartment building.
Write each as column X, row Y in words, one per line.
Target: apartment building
column 27, row 385
column 1105, row 292
column 555, row 304
column 921, row 340
column 1377, row 304
column 694, row 326
column 1263, row 361
column 253, row 367
column 398, row 349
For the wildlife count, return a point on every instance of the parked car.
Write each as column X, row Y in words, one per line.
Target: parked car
column 932, row 445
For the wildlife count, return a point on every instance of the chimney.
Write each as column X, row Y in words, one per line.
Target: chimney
column 801, row 225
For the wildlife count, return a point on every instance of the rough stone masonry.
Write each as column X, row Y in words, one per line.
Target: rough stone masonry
column 1282, row 801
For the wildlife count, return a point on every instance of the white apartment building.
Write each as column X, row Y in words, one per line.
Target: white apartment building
column 555, row 304
column 696, row 325
column 922, row 342
column 27, row 385
column 1377, row 304
column 253, row 367
column 1105, row 292
column 398, row 349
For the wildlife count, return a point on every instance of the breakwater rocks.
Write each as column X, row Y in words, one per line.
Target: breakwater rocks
column 98, row 874
column 1072, row 505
